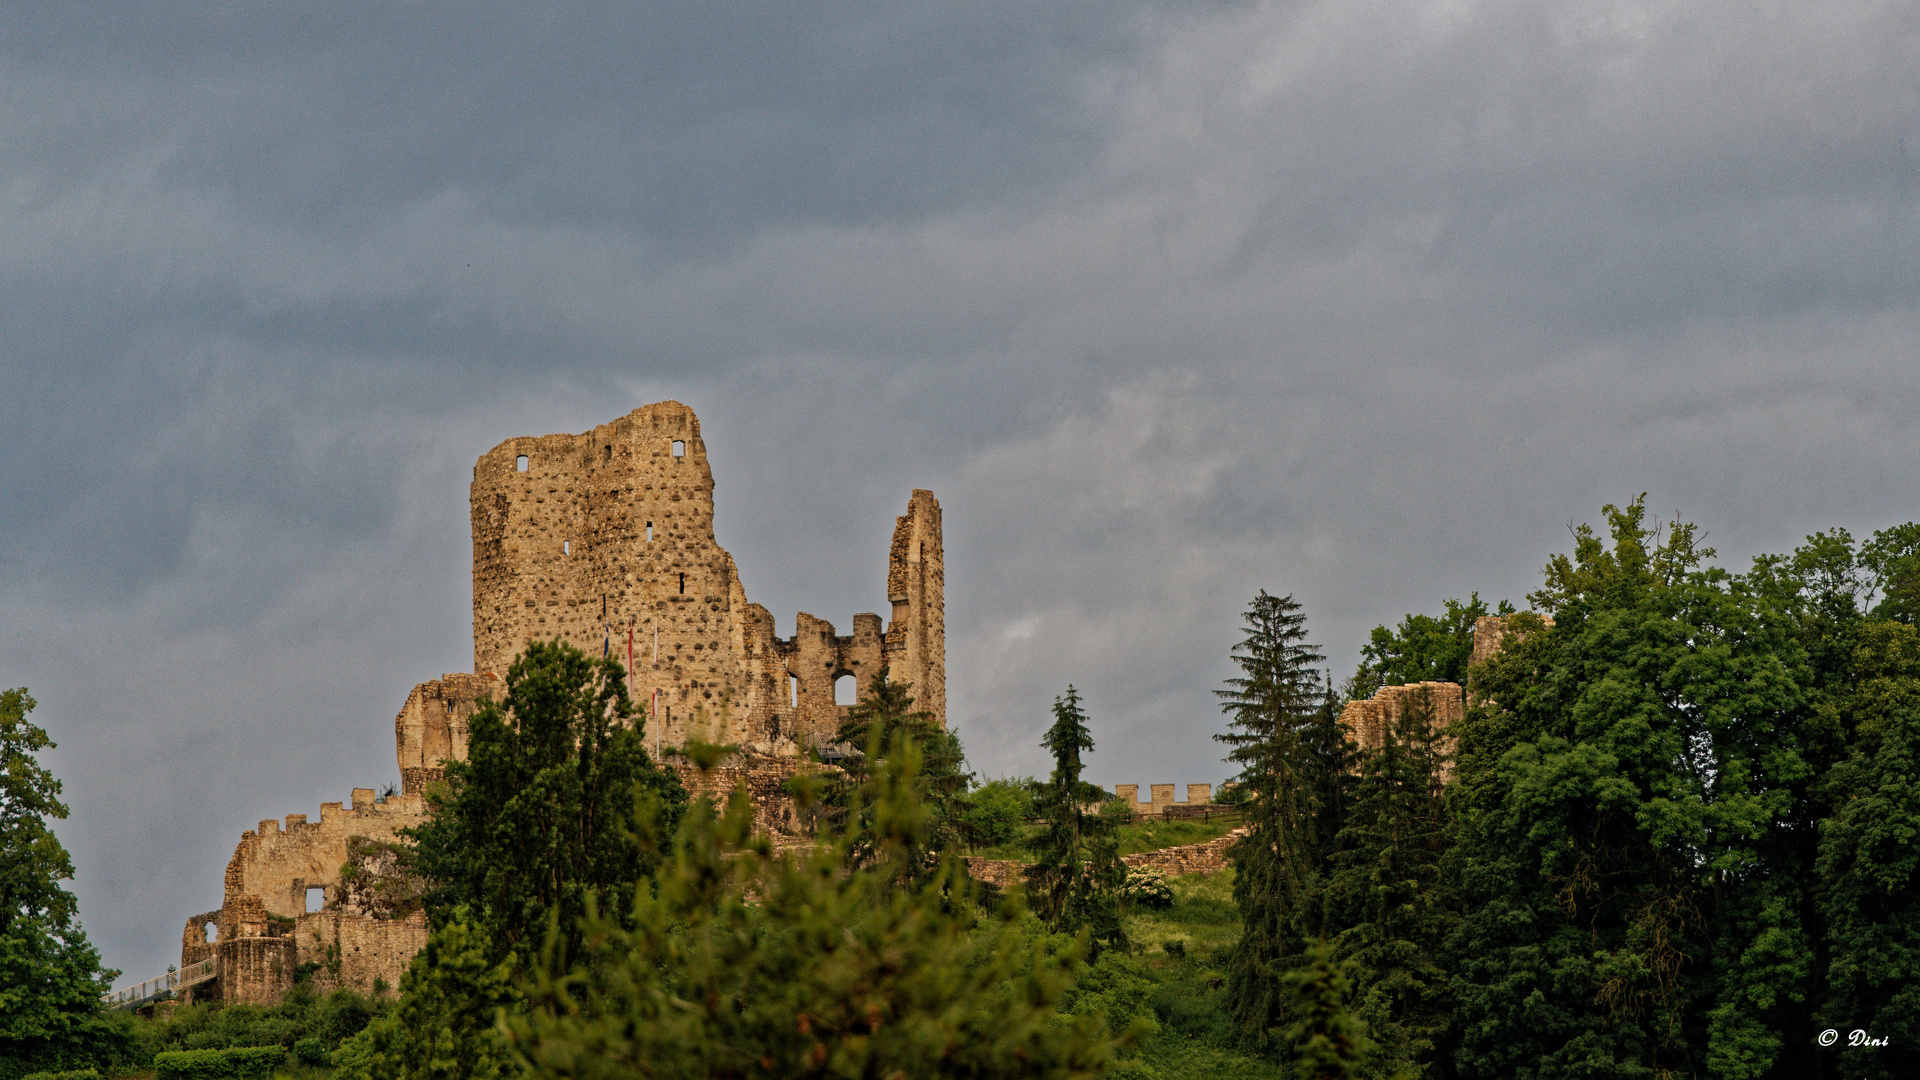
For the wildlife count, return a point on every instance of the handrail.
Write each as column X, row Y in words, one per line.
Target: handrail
column 138, row 993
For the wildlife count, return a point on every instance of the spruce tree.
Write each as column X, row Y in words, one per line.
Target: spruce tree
column 1270, row 705
column 1385, row 887
column 884, row 716
column 1076, row 875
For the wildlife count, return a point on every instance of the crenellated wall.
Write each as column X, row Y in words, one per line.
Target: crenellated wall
column 279, row 864
column 1160, row 797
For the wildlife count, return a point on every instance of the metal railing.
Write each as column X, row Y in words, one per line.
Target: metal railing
column 140, row 993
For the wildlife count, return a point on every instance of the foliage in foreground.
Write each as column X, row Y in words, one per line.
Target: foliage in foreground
column 884, row 971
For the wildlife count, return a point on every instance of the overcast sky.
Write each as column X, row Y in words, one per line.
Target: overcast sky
column 1358, row 300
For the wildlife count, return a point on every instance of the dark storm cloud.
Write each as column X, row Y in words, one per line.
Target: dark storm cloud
column 1364, row 301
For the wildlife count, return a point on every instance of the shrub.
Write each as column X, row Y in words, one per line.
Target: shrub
column 1147, row 887
column 70, row 1074
column 234, row 1063
column 1175, row 947
column 310, row 1051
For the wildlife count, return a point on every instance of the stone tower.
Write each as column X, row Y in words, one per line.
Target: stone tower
column 605, row 540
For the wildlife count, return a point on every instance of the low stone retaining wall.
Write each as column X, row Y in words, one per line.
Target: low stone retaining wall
column 1203, row 858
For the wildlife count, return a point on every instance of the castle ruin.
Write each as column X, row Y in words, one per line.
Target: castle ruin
column 605, row 541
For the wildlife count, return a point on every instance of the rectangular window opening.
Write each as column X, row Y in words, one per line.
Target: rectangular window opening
column 316, row 898
column 520, row 463
column 679, row 448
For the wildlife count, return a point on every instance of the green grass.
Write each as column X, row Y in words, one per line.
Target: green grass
column 1202, row 917
column 1145, row 836
column 1188, row 1000
column 1154, row 835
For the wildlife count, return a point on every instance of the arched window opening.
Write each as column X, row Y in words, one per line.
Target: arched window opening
column 316, row 898
column 679, row 448
column 520, row 463
column 211, row 932
column 846, row 690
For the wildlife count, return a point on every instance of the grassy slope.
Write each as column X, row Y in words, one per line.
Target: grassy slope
column 1194, row 1037
column 1146, row 836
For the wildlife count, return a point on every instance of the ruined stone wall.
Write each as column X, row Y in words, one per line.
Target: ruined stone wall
column 357, row 952
column 1368, row 720
column 256, row 970
column 774, row 811
column 605, row 540
column 432, row 726
column 278, row 865
column 1201, row 858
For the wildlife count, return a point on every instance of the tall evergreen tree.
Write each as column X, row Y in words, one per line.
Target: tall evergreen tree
column 1326, row 1039
column 883, row 717
column 1386, row 887
column 1269, row 705
column 1076, row 875
column 50, row 975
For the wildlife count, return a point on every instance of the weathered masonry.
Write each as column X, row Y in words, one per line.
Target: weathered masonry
column 603, row 540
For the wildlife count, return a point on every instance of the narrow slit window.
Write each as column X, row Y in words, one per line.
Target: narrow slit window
column 566, row 547
column 679, row 448
column 683, row 583
column 793, row 690
column 649, row 532
column 520, row 463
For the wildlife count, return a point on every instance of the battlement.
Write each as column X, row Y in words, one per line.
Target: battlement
column 1160, row 797
column 279, row 863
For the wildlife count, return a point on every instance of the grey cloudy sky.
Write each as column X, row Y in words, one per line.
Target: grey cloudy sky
column 1361, row 300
